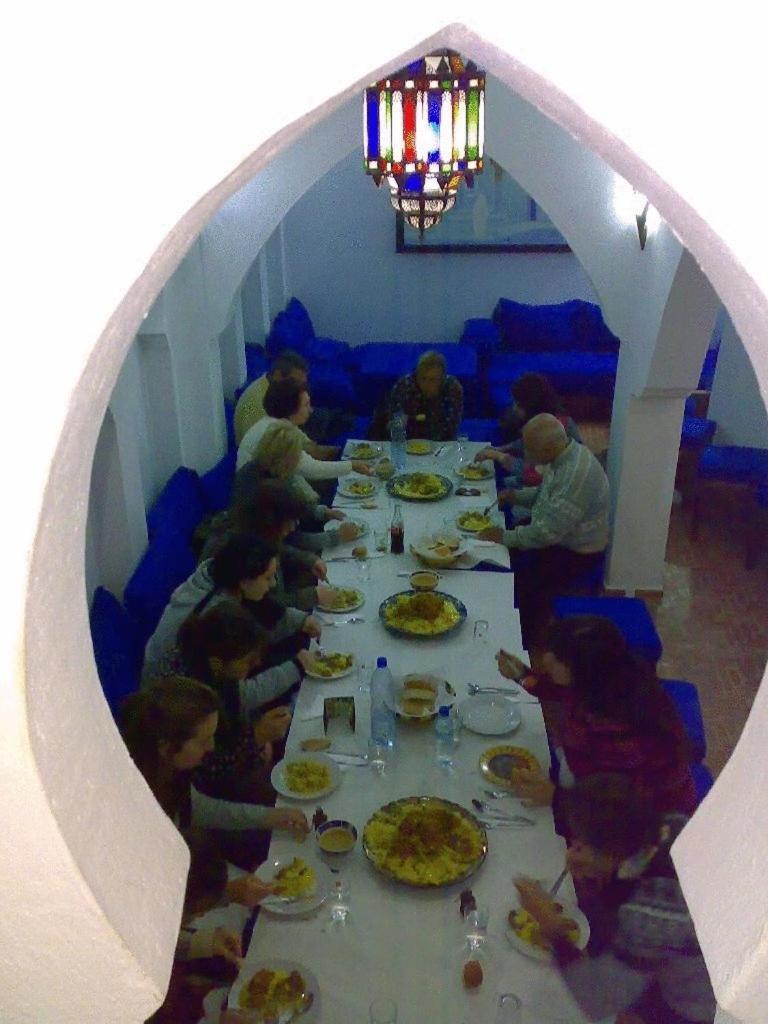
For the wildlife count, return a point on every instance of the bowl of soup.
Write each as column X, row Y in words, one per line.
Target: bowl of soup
column 424, row 579
column 336, row 836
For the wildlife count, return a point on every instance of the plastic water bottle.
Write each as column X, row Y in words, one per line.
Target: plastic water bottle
column 397, row 437
column 382, row 699
column 444, row 739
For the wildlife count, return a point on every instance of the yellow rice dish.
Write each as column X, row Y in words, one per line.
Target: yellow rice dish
column 475, row 472
column 418, row 447
column 360, row 487
column 330, row 665
column 527, row 928
column 418, row 485
column 421, row 614
column 295, row 880
column 306, row 776
column 473, row 521
column 425, row 843
column 365, row 451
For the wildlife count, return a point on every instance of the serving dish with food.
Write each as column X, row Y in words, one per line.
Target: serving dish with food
column 419, row 486
column 418, row 446
column 363, row 450
column 473, row 521
column 425, row 841
column 330, row 665
column 524, row 934
column 357, row 487
column 475, row 471
column 415, row 614
column 439, row 550
column 341, row 599
column 277, row 992
column 498, row 764
column 363, row 529
column 419, row 696
column 305, row 776
column 424, row 579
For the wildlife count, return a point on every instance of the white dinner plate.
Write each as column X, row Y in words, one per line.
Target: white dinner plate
column 278, row 779
column 349, row 608
column 444, row 696
column 282, row 907
column 376, row 449
column 466, row 530
column 363, row 527
column 347, row 481
column 489, row 714
column 338, row 675
column 571, row 910
column 278, row 964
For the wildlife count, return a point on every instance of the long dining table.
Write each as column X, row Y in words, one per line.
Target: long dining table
column 398, row 942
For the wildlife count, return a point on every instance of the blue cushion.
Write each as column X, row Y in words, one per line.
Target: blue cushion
column 256, row 362
column 296, row 312
column 686, row 698
column 761, row 496
column 591, row 373
column 702, row 780
column 697, row 431
column 734, row 464
column 166, row 563
column 179, row 507
column 327, row 350
column 333, row 388
column 708, row 369
column 482, row 335
column 285, row 333
column 629, row 614
column 393, row 359
column 552, row 328
column 117, row 648
column 217, row 482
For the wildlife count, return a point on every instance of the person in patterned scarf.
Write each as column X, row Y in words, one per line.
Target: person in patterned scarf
column 643, row 961
column 431, row 400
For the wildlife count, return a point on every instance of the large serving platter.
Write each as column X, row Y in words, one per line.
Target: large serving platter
column 413, row 634
column 398, row 487
column 400, row 873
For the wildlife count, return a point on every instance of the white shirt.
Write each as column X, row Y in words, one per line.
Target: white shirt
column 309, row 468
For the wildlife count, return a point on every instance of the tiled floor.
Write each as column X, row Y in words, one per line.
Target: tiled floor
column 712, row 618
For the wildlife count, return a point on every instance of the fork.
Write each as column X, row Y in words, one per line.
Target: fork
column 341, row 622
column 503, row 690
column 518, row 819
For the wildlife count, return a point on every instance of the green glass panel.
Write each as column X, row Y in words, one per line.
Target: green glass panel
column 473, row 118
column 388, row 139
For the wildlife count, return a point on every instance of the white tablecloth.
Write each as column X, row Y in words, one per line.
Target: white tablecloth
column 403, row 943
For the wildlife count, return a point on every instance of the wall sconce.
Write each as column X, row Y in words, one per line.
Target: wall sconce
column 641, row 216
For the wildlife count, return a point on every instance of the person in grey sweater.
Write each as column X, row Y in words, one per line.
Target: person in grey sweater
column 643, row 959
column 245, row 569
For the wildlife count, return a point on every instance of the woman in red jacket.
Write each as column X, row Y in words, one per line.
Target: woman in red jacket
column 614, row 715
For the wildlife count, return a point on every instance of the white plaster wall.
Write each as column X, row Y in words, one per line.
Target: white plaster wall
column 80, row 835
column 735, row 403
column 340, row 240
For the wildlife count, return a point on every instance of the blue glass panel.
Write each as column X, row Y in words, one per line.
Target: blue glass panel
column 434, row 100
column 372, row 113
column 412, row 183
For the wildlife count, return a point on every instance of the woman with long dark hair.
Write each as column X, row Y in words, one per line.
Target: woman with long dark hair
column 615, row 715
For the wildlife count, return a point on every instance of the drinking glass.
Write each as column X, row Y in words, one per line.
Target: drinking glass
column 378, row 756
column 339, row 900
column 364, row 570
column 476, row 923
column 383, row 1011
column 508, row 1009
column 461, row 447
column 381, row 538
column 363, row 680
column 480, row 631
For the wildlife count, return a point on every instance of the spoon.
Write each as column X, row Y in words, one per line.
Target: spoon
column 519, row 819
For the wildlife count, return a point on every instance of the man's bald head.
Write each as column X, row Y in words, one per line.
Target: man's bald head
column 544, row 438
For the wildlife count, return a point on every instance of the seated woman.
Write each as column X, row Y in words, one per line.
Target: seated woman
column 614, row 715
column 277, row 458
column 431, row 400
column 289, row 401
column 269, row 510
column 245, row 570
column 532, row 394
column 206, row 957
column 168, row 730
column 644, row 962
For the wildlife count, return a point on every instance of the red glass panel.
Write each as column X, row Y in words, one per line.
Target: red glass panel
column 409, row 125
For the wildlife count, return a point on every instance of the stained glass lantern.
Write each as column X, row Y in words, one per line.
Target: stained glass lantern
column 423, row 133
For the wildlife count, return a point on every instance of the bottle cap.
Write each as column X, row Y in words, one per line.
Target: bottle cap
column 381, row 662
column 444, row 711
